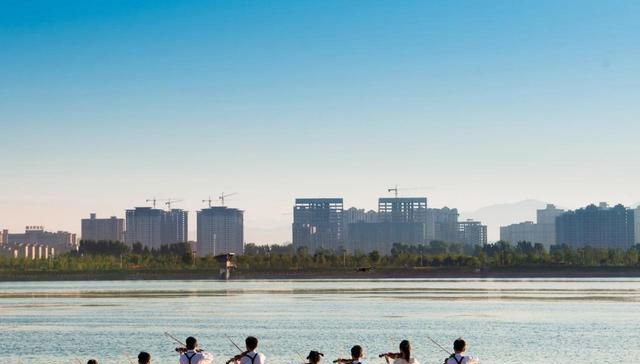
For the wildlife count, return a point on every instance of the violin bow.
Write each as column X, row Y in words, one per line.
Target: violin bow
column 173, row 338
column 300, row 356
column 234, row 344
column 438, row 345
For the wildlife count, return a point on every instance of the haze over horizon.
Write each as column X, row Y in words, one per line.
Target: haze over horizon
column 106, row 104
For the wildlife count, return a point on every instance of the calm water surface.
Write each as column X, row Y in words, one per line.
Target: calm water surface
column 505, row 321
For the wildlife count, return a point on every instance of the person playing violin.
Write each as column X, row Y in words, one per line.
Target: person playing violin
column 403, row 357
column 459, row 347
column 356, row 355
column 144, row 358
column 251, row 355
column 314, row 357
column 191, row 354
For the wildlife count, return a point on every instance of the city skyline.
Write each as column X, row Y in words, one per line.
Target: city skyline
column 105, row 105
column 495, row 229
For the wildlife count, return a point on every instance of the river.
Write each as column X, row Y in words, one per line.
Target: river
column 505, row 321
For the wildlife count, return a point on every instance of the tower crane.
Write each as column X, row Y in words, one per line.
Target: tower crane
column 153, row 200
column 208, row 200
column 394, row 189
column 223, row 196
column 170, row 201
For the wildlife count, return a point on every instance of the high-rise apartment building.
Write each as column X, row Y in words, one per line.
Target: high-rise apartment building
column 95, row 229
column 597, row 226
column 399, row 220
column 636, row 223
column 402, row 209
column 317, row 223
column 546, row 224
column 354, row 215
column 442, row 224
column 472, row 233
column 544, row 231
column 220, row 231
column 154, row 227
column 175, row 226
column 524, row 231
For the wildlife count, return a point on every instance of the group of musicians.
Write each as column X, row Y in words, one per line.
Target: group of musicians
column 190, row 353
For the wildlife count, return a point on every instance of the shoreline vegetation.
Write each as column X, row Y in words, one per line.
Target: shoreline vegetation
column 117, row 261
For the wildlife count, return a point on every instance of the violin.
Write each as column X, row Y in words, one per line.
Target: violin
column 237, row 357
column 343, row 361
column 182, row 350
column 390, row 355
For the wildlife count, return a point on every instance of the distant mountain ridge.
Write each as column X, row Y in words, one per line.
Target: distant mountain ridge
column 504, row 214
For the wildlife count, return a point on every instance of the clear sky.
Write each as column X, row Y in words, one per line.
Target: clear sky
column 104, row 104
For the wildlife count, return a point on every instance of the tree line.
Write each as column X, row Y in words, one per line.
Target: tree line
column 117, row 256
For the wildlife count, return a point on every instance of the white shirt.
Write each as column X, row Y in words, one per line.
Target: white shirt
column 465, row 360
column 258, row 358
column 196, row 357
column 403, row 361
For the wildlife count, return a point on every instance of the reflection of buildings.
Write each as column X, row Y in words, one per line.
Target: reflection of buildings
column 597, row 226
column 317, row 223
column 61, row 241
column 220, row 231
column 111, row 229
column 544, row 231
column 154, row 227
column 472, row 233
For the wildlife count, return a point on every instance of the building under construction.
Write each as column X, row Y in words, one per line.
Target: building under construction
column 400, row 220
column 317, row 223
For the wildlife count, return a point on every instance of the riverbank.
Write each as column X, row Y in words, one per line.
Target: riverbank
column 387, row 273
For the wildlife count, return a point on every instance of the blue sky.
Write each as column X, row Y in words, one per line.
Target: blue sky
column 106, row 103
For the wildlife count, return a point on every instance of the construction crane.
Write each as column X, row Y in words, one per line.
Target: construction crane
column 394, row 189
column 170, row 201
column 153, row 200
column 208, row 200
column 223, row 196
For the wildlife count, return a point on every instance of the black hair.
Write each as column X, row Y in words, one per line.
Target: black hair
column 144, row 358
column 314, row 356
column 191, row 343
column 92, row 361
column 405, row 349
column 356, row 352
column 459, row 345
column 251, row 343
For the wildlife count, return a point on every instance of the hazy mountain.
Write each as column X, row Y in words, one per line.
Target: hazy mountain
column 495, row 216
